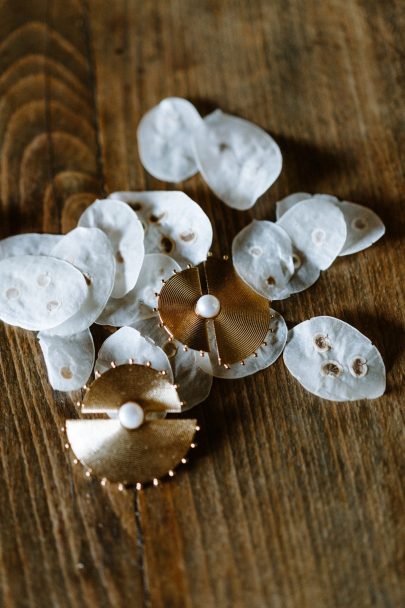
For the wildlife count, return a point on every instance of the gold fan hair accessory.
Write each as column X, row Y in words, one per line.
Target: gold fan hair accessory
column 136, row 445
column 211, row 309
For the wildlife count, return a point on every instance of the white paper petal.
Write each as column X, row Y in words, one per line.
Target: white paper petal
column 39, row 292
column 141, row 300
column 266, row 355
column 174, row 224
column 330, row 198
column 89, row 250
column 289, row 201
column 28, row 244
column 122, row 226
column 284, row 204
column 364, row 227
column 334, row 360
column 306, row 273
column 238, row 160
column 127, row 343
column 317, row 229
column 69, row 360
column 191, row 372
column 164, row 139
column 262, row 256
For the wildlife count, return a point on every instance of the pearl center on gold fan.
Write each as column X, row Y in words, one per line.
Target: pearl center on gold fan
column 131, row 415
column 208, row 307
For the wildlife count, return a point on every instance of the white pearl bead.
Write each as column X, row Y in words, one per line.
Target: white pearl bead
column 207, row 307
column 131, row 415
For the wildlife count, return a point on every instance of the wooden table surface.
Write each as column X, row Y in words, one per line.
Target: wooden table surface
column 289, row 501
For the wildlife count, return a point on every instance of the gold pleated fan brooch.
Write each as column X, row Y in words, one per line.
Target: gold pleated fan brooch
column 136, row 445
column 209, row 308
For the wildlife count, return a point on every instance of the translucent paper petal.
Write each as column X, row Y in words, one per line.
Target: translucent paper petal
column 289, row 201
column 89, row 250
column 364, row 227
column 164, row 139
column 262, row 256
column 191, row 372
column 123, row 228
column 283, row 205
column 334, row 360
column 141, row 300
column 266, row 354
column 127, row 343
column 69, row 360
column 28, row 244
column 39, row 292
column 330, row 198
column 306, row 273
column 174, row 224
column 238, row 160
column 317, row 230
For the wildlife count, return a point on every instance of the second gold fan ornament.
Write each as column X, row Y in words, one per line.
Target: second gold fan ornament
column 139, row 264
column 133, row 444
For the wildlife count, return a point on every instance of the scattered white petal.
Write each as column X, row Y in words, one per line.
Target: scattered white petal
column 364, row 227
column 39, row 292
column 164, row 139
column 89, row 250
column 127, row 343
column 123, row 228
column 334, row 360
column 262, row 256
column 306, row 273
column 317, row 230
column 141, row 300
column 326, row 197
column 289, row 201
column 69, row 360
column 174, row 224
column 28, row 244
column 283, row 205
column 191, row 372
column 266, row 354
column 238, row 160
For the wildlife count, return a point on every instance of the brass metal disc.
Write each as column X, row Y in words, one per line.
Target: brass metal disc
column 176, row 305
column 242, row 323
column 244, row 318
column 125, row 456
column 139, row 383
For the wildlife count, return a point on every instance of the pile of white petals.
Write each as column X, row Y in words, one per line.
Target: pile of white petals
column 285, row 257
column 238, row 160
column 109, row 268
column 107, row 271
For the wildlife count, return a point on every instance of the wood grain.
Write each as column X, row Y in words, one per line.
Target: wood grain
column 289, row 501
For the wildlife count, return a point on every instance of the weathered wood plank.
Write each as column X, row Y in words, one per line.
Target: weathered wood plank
column 288, row 501
column 65, row 541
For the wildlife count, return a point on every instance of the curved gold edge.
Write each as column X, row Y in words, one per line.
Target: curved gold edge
column 175, row 307
column 123, row 484
column 151, row 389
column 228, row 354
column 242, row 324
